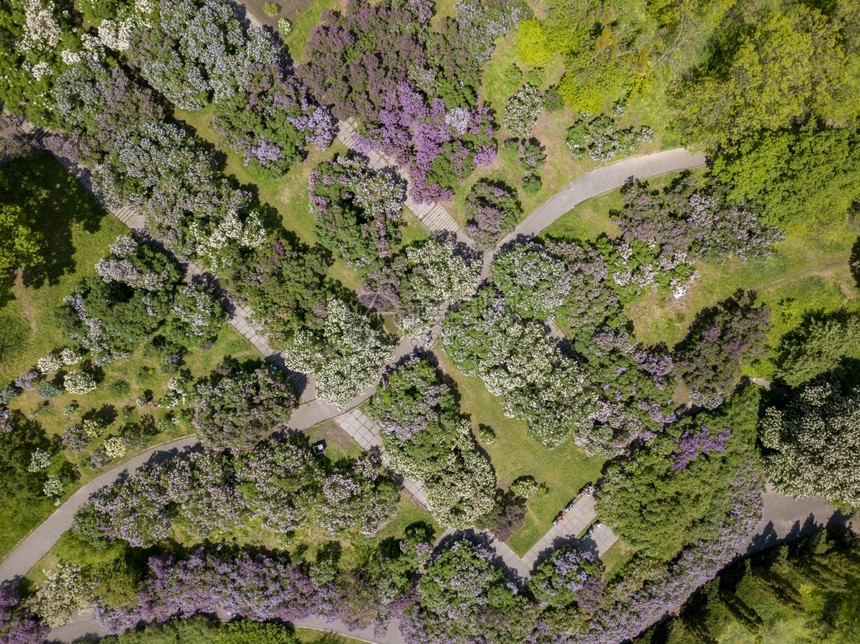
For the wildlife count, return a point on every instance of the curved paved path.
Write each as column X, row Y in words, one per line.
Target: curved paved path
column 37, row 544
column 602, row 180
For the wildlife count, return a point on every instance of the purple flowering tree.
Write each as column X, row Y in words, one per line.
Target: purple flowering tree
column 492, row 210
column 18, row 625
column 569, row 575
column 255, row 587
column 709, row 358
column 412, row 89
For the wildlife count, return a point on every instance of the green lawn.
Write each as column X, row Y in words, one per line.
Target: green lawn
column 304, row 24
column 32, row 331
column 565, row 470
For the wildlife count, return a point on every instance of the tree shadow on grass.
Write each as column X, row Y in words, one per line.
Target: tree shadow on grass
column 54, row 201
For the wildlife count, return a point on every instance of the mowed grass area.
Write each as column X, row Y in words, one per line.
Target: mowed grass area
column 565, row 469
column 79, row 231
column 808, row 272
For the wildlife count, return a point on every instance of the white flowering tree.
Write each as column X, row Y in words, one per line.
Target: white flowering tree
column 62, row 595
column 518, row 360
column 521, row 112
column 815, row 441
column 425, row 438
column 418, row 284
column 345, row 357
column 535, row 283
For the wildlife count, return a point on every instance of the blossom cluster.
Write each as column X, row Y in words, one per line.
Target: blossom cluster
column 425, row 437
column 346, row 355
column 357, row 209
column 419, row 283
column 601, row 139
column 516, row 359
column 206, row 493
column 415, row 91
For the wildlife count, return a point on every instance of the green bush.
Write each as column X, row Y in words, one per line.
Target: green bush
column 271, row 9
column 532, row 184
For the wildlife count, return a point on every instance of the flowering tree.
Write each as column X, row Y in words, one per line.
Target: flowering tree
column 272, row 122
column 492, row 210
column 256, row 587
column 195, row 53
column 18, row 625
column 345, row 356
column 673, row 490
column 814, row 442
column 601, row 139
column 417, row 284
column 517, row 360
column 203, row 493
column 284, row 283
column 357, row 209
column 425, row 437
column 570, row 574
column 534, row 282
column 138, row 291
column 279, row 481
column 415, row 90
column 356, row 496
column 709, row 357
column 522, row 110
column 684, row 219
column 463, row 597
column 237, row 406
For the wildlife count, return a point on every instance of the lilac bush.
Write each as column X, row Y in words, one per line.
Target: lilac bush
column 357, row 209
column 534, row 282
column 237, row 406
column 709, row 358
column 463, row 597
column 492, row 211
column 570, row 574
column 702, row 222
column 279, row 481
column 206, row 494
column 518, row 360
column 425, row 437
column 418, row 283
column 356, row 496
column 18, row 624
column 255, row 587
column 414, row 91
column 273, row 121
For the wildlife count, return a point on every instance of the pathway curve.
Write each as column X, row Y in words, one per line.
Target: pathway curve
column 37, row 544
column 602, row 180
